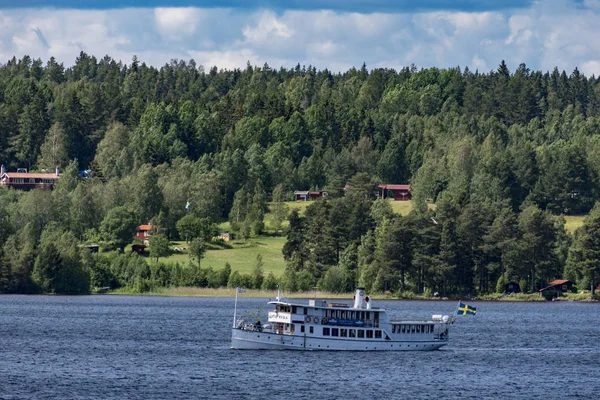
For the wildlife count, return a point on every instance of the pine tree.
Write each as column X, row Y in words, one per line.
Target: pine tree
column 583, row 263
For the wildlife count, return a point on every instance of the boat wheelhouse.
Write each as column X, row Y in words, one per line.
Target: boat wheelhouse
column 320, row 325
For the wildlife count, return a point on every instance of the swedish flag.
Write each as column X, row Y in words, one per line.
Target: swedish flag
column 465, row 309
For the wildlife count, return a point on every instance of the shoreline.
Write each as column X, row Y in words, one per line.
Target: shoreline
column 320, row 295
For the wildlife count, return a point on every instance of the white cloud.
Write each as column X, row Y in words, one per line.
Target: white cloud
column 267, row 29
column 542, row 36
column 325, row 49
column 479, row 64
column 228, row 59
column 465, row 23
column 591, row 67
column 27, row 42
column 519, row 29
column 177, row 23
column 370, row 25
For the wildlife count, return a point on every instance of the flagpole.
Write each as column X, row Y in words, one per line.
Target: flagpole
column 278, row 292
column 235, row 307
column 456, row 312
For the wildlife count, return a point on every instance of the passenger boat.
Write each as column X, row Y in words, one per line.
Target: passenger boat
column 320, row 325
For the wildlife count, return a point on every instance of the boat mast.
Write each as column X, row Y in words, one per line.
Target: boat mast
column 278, row 292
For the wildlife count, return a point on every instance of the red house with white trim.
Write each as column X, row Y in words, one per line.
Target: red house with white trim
column 24, row 180
column 393, row 191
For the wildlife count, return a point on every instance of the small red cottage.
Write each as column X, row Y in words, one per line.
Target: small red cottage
column 308, row 196
column 396, row 192
column 144, row 232
column 24, row 180
column 555, row 288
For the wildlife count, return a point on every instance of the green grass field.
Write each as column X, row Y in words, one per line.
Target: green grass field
column 269, row 220
column 573, row 222
column 401, row 207
column 242, row 256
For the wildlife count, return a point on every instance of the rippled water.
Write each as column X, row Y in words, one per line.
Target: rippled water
column 121, row 347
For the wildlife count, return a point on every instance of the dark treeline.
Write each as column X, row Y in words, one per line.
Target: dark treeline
column 500, row 154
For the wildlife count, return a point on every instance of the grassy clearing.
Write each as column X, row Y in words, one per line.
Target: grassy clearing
column 401, row 207
column 584, row 295
column 269, row 219
column 572, row 222
column 224, row 226
column 242, row 255
column 300, row 205
column 512, row 297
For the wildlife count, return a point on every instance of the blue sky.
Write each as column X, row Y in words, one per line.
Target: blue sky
column 326, row 33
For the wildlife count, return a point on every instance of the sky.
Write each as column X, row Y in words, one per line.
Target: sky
column 324, row 33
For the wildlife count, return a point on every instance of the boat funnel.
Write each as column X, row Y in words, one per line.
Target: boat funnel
column 359, row 298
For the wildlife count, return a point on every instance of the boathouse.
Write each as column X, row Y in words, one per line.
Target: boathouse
column 555, row 288
column 560, row 285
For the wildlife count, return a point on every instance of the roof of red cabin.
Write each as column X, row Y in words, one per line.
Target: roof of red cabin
column 146, row 227
column 31, row 175
column 394, row 186
column 558, row 282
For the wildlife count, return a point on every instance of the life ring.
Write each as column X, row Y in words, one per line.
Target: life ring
column 316, row 320
column 307, row 319
column 324, row 321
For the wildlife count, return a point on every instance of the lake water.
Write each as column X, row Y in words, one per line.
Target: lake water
column 136, row 347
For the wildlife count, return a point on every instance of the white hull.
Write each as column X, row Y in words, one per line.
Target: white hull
column 253, row 340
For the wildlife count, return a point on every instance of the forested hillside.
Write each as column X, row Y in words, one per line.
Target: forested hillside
column 501, row 154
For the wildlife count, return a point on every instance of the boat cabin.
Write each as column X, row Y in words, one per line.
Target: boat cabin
column 339, row 321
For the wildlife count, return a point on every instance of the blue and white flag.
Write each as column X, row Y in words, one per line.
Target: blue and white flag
column 240, row 290
column 465, row 309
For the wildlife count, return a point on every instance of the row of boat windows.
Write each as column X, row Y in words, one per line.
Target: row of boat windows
column 346, row 332
column 358, row 333
column 340, row 314
column 412, row 328
column 343, row 314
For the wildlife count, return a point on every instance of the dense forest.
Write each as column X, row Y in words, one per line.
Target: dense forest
column 494, row 160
